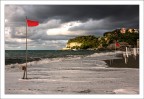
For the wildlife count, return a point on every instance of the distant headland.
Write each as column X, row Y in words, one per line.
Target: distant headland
column 123, row 37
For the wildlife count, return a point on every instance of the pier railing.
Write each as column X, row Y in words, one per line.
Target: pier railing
column 130, row 51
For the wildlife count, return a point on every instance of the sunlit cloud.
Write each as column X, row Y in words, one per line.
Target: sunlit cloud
column 59, row 23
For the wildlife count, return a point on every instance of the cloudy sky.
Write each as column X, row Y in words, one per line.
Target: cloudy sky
column 58, row 23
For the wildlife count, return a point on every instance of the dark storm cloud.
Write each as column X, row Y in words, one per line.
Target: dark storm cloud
column 84, row 12
column 106, row 24
column 76, row 12
column 92, row 20
column 115, row 16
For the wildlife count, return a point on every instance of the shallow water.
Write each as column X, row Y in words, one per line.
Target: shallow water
column 18, row 56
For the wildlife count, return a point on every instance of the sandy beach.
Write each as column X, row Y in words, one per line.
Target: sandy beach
column 73, row 75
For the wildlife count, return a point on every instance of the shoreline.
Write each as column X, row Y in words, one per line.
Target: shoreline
column 76, row 75
column 108, row 59
column 21, row 59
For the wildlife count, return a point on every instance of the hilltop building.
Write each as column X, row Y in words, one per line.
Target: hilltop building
column 123, row 30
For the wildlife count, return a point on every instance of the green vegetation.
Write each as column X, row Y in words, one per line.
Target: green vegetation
column 92, row 42
column 87, row 42
column 129, row 37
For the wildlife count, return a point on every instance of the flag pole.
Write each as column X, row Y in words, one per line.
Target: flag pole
column 26, row 47
column 28, row 23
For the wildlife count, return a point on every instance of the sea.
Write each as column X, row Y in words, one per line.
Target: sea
column 18, row 56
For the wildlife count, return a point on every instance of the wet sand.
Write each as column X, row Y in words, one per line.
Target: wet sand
column 72, row 76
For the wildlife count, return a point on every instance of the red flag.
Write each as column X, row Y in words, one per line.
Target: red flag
column 31, row 23
column 117, row 44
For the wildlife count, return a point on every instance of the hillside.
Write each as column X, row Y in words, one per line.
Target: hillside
column 125, row 37
column 83, row 42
